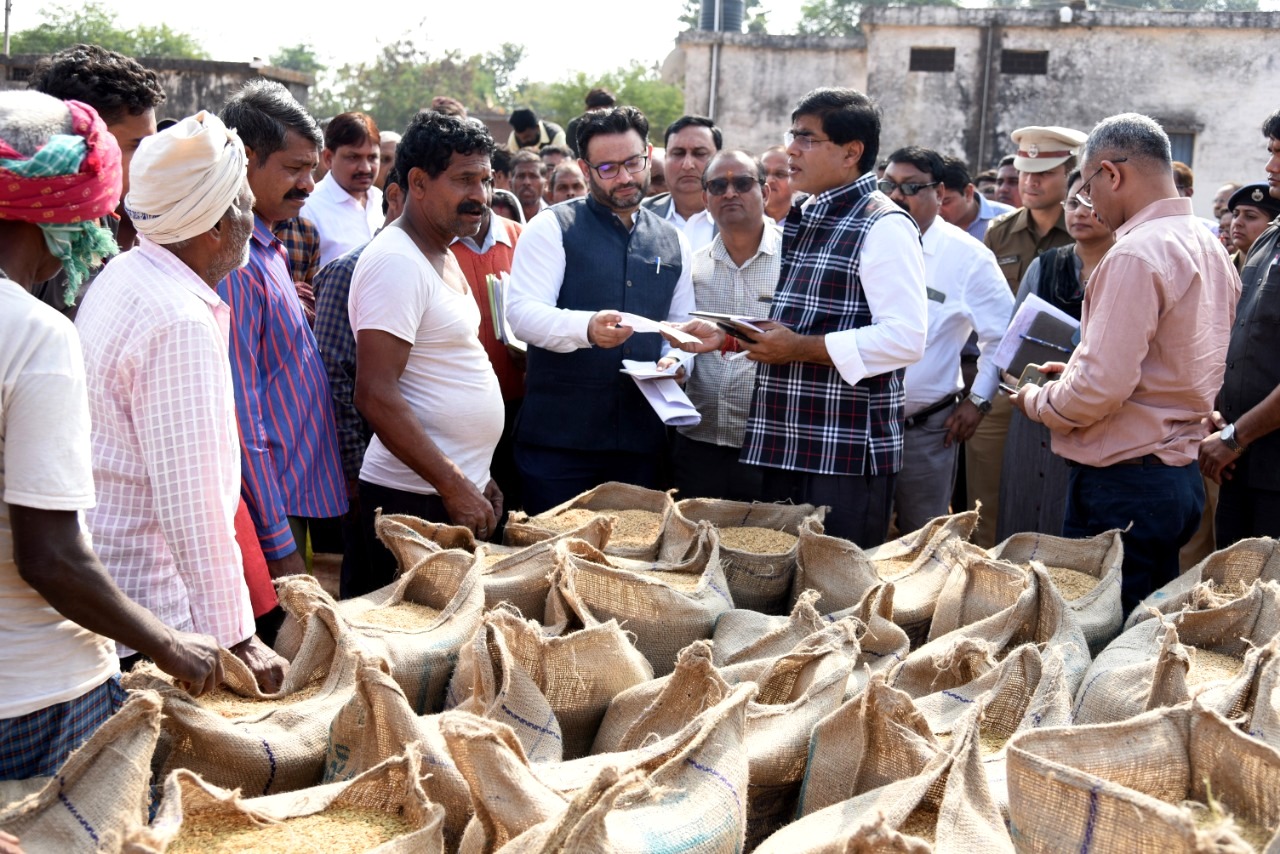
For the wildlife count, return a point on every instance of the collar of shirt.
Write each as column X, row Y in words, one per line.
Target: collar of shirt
column 674, row 216
column 497, row 234
column 173, row 267
column 262, row 233
column 1162, row 208
column 333, row 191
column 770, row 243
column 1022, row 221
column 988, row 209
column 845, row 194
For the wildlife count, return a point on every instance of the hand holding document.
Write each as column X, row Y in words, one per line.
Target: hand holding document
column 645, row 324
column 663, row 393
column 496, row 288
column 1038, row 333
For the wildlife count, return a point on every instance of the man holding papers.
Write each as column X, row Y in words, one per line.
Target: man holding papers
column 573, row 275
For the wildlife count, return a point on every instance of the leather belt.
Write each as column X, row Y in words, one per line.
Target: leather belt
column 923, row 414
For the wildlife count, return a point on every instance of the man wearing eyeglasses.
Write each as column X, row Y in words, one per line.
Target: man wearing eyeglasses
column 573, row 274
column 848, row 315
column 1126, row 410
column 967, row 294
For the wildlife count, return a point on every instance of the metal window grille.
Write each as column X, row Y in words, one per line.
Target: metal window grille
column 1024, row 62
column 933, row 59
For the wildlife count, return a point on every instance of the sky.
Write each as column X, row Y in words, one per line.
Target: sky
column 559, row 42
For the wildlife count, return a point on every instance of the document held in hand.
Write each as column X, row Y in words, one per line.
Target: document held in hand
column 663, row 392
column 1038, row 333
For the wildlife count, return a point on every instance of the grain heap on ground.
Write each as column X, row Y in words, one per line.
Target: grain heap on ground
column 406, row 616
column 757, row 541
column 922, row 824
column 1072, row 583
column 1210, row 666
column 339, row 829
column 228, row 704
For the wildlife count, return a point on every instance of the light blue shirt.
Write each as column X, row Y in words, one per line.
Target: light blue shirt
column 987, row 211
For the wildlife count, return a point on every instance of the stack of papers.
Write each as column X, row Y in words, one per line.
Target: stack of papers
column 663, row 393
column 497, row 287
column 1039, row 333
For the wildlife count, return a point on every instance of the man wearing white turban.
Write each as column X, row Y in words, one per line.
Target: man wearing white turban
column 165, row 446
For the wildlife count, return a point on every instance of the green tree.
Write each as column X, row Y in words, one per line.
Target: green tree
column 754, row 16
column 93, row 23
column 841, row 17
column 301, row 57
column 636, row 84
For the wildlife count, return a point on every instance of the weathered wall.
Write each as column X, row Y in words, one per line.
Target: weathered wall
column 761, row 78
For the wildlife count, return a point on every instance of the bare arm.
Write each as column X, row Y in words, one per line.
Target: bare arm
column 1216, row 459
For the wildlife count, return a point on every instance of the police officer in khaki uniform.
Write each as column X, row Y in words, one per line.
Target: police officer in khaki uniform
column 1045, row 156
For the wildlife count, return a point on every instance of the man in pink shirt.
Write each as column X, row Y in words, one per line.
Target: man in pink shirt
column 1126, row 410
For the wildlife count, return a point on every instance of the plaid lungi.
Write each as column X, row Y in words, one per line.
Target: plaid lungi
column 36, row 744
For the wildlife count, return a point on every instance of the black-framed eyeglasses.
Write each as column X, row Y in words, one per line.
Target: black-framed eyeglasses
column 888, row 187
column 741, row 184
column 608, row 171
column 1083, row 194
column 802, row 140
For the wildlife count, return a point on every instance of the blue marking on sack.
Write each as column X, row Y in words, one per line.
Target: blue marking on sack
column 714, row 773
column 531, row 725
column 953, row 695
column 1091, row 825
column 272, row 758
column 71, row 808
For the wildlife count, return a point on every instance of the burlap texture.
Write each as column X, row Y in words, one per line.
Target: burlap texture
column 883, row 645
column 758, row 582
column 1118, row 787
column 392, row 787
column 279, row 749
column 376, row 724
column 1241, row 563
column 1146, row 667
column 523, row 577
column 952, row 785
column 1036, row 613
column 1252, row 699
column 525, row 530
column 917, row 564
column 99, row 792
column 683, row 793
column 667, row 606
column 1098, row 612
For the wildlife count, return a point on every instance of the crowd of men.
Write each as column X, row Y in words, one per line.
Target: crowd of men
column 297, row 330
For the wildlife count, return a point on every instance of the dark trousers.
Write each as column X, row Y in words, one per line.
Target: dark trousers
column 1162, row 502
column 860, row 504
column 380, row 568
column 503, row 468
column 552, row 476
column 1244, row 512
column 707, row 470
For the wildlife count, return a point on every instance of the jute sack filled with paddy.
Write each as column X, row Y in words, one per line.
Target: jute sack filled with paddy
column 240, row 738
column 1252, row 699
column 1231, row 572
column 1086, row 573
column 1150, row 783
column 666, row 606
column 383, row 810
column 100, row 792
column 742, row 636
column 376, row 724
column 758, row 544
column 642, row 518
column 690, row 795
column 1167, row 661
column 796, row 690
column 945, row 807
column 960, row 653
column 917, row 564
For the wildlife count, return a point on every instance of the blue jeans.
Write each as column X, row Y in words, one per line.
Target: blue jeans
column 1162, row 502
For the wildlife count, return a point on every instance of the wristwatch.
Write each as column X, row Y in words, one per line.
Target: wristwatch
column 1228, row 437
column 984, row 405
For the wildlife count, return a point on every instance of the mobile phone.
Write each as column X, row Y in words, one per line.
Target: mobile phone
column 1032, row 375
column 1008, row 389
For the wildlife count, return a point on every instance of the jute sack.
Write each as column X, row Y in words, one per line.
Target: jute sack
column 1150, row 665
column 758, row 581
column 917, row 564
column 884, row 645
column 99, row 792
column 1035, row 614
column 524, row 577
column 1098, row 611
column 259, row 743
column 1231, row 571
column 946, row 807
column 666, row 606
column 796, row 690
column 389, row 795
column 1121, row 786
column 375, row 725
column 608, row 499
column 1252, row 699
column 689, row 795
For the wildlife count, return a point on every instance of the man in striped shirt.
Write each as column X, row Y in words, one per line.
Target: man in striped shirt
column 288, row 442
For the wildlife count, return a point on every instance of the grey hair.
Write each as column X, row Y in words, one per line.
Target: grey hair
column 1130, row 135
column 28, row 119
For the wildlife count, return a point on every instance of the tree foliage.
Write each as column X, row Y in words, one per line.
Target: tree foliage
column 301, row 57
column 92, row 23
column 637, row 85
column 755, row 17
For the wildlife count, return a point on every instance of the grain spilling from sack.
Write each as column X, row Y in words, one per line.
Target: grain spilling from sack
column 1210, row 666
column 344, row 829
column 1071, row 583
column 408, row 616
column 229, row 704
column 759, row 541
column 922, row 824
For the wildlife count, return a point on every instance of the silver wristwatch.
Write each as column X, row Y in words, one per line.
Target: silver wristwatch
column 984, row 405
column 1228, row 437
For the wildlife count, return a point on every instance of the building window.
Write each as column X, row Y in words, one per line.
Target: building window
column 1024, row 62
column 18, row 73
column 933, row 59
column 1182, row 145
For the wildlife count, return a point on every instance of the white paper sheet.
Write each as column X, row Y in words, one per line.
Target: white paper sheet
column 1021, row 323
column 645, row 324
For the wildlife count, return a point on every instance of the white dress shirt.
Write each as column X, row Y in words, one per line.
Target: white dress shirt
column 892, row 274
column 967, row 293
column 342, row 221
column 537, row 271
column 699, row 228
column 166, row 451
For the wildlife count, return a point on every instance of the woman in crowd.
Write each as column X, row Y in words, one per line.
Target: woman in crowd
column 1252, row 208
column 1033, row 488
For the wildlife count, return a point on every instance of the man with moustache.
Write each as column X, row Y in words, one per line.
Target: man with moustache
column 288, row 443
column 424, row 382
column 567, row 182
column 346, row 205
column 529, row 182
column 690, row 143
column 583, row 423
